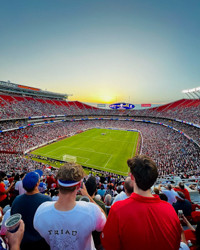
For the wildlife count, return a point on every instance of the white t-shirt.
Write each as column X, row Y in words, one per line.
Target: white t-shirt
column 121, row 196
column 19, row 187
column 171, row 195
column 69, row 229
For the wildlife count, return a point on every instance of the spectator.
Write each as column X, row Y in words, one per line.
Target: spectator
column 101, row 191
column 182, row 204
column 108, row 202
column 170, row 193
column 143, row 221
column 72, row 222
column 50, row 180
column 4, row 200
column 110, row 190
column 163, row 197
column 91, row 187
column 19, row 186
column 181, row 188
column 42, row 186
column 128, row 187
column 27, row 204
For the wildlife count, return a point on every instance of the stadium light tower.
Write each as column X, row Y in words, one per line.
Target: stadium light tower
column 195, row 92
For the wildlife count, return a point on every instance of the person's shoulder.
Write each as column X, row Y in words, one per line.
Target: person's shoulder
column 43, row 212
column 45, row 207
column 87, row 207
column 19, row 198
column 121, row 204
column 43, row 197
column 166, row 204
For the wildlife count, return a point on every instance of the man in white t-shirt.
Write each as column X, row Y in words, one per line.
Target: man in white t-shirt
column 128, row 188
column 67, row 224
column 19, row 186
column 170, row 193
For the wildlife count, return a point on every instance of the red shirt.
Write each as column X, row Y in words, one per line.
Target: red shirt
column 49, row 181
column 2, row 189
column 185, row 192
column 11, row 179
column 142, row 223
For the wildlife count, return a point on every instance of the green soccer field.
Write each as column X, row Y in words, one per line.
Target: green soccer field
column 108, row 152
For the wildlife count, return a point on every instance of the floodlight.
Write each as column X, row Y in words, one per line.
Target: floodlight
column 191, row 90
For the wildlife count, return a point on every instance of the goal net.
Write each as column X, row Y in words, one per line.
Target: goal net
column 69, row 158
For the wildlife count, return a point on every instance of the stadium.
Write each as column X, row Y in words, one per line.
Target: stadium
column 100, row 125
column 43, row 130
column 27, row 113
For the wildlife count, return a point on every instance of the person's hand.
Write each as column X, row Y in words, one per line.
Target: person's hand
column 83, row 190
column 12, row 184
column 14, row 239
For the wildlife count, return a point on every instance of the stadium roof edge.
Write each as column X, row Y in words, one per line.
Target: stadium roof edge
column 9, row 87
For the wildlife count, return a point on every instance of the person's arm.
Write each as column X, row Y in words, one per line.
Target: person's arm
column 183, row 239
column 85, row 193
column 188, row 223
column 5, row 191
column 159, row 187
column 14, row 239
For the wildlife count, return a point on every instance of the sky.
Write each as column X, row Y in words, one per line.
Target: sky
column 102, row 51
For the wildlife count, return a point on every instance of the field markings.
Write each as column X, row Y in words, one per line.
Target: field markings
column 121, row 172
column 107, row 161
column 134, row 147
column 59, row 151
column 87, row 150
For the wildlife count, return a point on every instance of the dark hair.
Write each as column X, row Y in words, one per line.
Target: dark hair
column 181, row 185
column 182, row 195
column 22, row 175
column 144, row 170
column 2, row 175
column 16, row 178
column 163, row 197
column 156, row 191
column 91, row 185
column 29, row 189
column 169, row 186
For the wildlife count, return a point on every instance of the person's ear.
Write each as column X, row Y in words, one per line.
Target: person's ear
column 132, row 177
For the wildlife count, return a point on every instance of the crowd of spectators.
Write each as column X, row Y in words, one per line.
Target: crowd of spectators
column 22, row 108
column 103, row 189
column 172, row 151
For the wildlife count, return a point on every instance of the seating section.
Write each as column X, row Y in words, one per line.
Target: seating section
column 19, row 106
column 15, row 106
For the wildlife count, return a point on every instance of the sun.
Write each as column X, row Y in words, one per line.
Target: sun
column 106, row 98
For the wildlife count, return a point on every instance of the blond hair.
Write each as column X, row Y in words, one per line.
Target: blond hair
column 70, row 172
